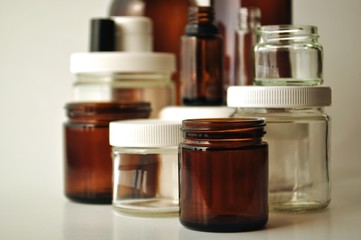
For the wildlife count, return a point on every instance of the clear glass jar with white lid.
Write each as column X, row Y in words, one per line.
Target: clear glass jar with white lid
column 145, row 166
column 124, row 77
column 298, row 134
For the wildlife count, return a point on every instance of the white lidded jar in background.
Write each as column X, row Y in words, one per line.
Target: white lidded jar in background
column 121, row 66
column 298, row 135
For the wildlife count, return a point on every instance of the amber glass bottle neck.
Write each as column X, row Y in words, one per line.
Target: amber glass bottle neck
column 200, row 15
column 200, row 21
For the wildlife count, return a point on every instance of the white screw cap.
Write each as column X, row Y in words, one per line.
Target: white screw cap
column 278, row 96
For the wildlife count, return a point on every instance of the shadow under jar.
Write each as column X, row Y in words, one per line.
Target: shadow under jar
column 88, row 162
column 223, row 175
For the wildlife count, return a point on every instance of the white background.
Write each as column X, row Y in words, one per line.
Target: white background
column 36, row 39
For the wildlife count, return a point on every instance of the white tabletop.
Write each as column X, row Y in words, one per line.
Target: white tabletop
column 37, row 212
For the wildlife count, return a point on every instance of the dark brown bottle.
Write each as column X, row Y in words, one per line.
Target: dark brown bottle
column 88, row 162
column 223, row 175
column 201, row 60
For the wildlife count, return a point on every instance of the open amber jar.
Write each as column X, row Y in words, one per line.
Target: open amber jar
column 88, row 161
column 223, row 174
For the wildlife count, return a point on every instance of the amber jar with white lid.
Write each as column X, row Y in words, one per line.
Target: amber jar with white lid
column 145, row 166
column 298, row 134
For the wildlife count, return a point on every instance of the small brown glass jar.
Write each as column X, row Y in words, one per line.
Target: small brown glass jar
column 223, row 175
column 88, row 162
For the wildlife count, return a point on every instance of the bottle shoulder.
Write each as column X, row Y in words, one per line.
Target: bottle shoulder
column 203, row 29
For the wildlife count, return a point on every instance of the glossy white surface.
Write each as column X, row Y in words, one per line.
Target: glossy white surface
column 35, row 213
column 37, row 38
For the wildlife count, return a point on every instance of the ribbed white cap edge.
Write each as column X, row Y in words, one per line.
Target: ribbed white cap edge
column 277, row 96
column 145, row 133
column 147, row 62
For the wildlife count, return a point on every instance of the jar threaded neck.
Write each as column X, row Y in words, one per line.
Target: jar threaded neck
column 287, row 32
column 237, row 129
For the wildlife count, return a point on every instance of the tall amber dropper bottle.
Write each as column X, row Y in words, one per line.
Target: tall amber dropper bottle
column 201, row 60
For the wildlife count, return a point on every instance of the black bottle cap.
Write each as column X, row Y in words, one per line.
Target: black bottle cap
column 102, row 35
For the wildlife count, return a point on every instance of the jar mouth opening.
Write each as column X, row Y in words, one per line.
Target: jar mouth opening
column 222, row 123
column 223, row 128
column 288, row 32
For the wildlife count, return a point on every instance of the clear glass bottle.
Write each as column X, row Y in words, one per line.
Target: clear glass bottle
column 223, row 175
column 201, row 60
column 249, row 21
column 288, row 55
column 87, row 161
column 145, row 170
column 298, row 134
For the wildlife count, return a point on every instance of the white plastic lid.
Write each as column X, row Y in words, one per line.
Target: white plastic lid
column 134, row 33
column 180, row 113
column 145, row 133
column 137, row 62
column 278, row 96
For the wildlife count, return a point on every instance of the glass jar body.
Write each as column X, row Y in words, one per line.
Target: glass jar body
column 145, row 180
column 298, row 141
column 223, row 182
column 156, row 88
column 287, row 55
column 87, row 160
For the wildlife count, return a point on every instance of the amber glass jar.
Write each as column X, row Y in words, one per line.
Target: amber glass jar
column 88, row 162
column 223, row 175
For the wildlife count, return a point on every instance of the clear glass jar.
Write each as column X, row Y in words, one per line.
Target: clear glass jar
column 223, row 167
column 288, row 55
column 87, row 160
column 145, row 166
column 298, row 134
column 124, row 77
